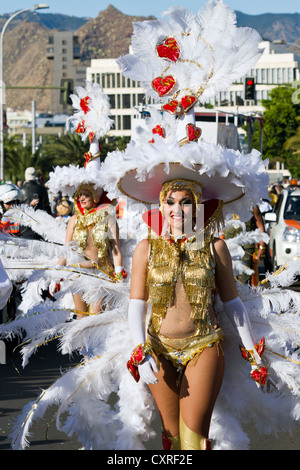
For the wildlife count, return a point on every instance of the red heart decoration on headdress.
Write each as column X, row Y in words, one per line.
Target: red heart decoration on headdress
column 81, row 128
column 193, row 132
column 163, row 86
column 168, row 49
column 84, row 102
column 159, row 130
column 171, row 107
column 188, row 102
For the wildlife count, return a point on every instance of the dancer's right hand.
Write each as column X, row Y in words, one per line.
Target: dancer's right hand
column 147, row 369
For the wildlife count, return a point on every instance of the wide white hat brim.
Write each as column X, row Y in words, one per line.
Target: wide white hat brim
column 147, row 191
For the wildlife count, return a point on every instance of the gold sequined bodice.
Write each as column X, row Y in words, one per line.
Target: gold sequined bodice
column 97, row 221
column 183, row 261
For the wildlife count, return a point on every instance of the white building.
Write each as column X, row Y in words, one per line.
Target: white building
column 124, row 94
column 272, row 69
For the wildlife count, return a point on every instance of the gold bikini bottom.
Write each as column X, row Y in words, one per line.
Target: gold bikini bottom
column 180, row 351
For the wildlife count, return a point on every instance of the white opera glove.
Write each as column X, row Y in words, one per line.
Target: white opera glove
column 252, row 352
column 141, row 364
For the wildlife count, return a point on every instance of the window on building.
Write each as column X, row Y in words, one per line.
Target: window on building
column 279, row 75
column 290, row 75
column 118, row 80
column 112, row 101
column 126, row 123
column 141, row 99
column 274, row 76
column 126, row 101
column 258, row 76
column 269, row 79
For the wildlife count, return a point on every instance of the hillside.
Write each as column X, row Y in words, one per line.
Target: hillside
column 273, row 26
column 25, row 64
column 107, row 35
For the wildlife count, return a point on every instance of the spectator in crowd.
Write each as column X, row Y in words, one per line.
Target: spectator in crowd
column 34, row 193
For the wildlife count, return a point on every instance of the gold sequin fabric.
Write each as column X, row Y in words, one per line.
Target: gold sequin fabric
column 170, row 261
column 98, row 222
column 180, row 351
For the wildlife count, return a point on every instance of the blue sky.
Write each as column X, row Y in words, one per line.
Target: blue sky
column 144, row 8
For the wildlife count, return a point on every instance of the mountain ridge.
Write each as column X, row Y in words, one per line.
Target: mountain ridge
column 106, row 36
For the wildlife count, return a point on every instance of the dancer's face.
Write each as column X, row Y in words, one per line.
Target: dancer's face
column 86, row 200
column 178, row 211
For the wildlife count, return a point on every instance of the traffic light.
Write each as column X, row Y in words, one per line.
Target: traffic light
column 249, row 89
column 66, row 89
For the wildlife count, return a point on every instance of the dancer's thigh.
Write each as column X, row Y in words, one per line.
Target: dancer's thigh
column 200, row 387
column 166, row 395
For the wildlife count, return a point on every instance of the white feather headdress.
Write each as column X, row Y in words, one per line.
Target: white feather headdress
column 192, row 57
column 91, row 120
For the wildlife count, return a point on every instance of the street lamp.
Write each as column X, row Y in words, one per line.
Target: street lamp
column 38, row 6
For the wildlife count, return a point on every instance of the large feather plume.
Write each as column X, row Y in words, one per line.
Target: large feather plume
column 213, row 51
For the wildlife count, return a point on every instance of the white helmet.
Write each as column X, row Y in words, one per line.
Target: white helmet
column 9, row 192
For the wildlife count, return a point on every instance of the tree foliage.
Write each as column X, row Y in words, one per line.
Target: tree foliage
column 280, row 130
column 54, row 151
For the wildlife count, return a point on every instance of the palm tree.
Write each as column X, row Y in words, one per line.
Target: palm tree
column 66, row 149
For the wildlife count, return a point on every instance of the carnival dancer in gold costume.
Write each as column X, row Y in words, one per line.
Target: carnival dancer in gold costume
column 188, row 352
column 178, row 271
column 93, row 227
column 181, row 265
column 95, row 231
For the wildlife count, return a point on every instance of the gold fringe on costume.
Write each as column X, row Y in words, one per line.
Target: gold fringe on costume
column 98, row 222
column 191, row 261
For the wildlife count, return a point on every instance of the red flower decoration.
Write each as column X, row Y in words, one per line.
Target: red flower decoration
column 84, row 102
